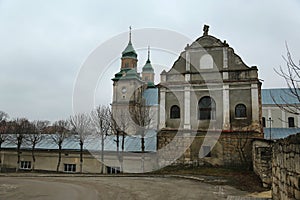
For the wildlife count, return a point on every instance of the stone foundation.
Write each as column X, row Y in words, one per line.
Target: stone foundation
column 220, row 149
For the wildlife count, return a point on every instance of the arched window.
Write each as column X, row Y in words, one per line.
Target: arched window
column 206, row 62
column 291, row 122
column 240, row 110
column 207, row 108
column 264, row 122
column 175, row 112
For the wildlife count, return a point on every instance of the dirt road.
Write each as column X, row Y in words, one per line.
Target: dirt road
column 90, row 188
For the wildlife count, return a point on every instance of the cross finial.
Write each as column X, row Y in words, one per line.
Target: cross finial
column 130, row 33
column 148, row 52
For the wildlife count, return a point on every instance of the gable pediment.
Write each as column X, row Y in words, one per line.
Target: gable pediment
column 207, row 41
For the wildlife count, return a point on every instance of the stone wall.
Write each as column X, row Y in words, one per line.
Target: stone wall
column 219, row 149
column 286, row 168
column 262, row 160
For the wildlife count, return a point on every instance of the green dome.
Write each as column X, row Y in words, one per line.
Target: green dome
column 129, row 52
column 126, row 74
column 148, row 67
column 150, row 85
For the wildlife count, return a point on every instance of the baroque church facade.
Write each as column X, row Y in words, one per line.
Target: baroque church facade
column 208, row 103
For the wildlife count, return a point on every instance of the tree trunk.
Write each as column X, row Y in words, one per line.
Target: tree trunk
column 33, row 156
column 102, row 153
column 122, row 154
column 0, row 157
column 19, row 156
column 143, row 150
column 118, row 141
column 143, row 144
column 81, row 157
column 59, row 157
column 118, row 147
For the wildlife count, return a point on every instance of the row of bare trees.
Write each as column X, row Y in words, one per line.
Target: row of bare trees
column 100, row 123
column 21, row 131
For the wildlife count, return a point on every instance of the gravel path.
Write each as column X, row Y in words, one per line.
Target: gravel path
column 90, row 188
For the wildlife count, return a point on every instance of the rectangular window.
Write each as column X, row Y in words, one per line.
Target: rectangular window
column 206, row 151
column 25, row 165
column 112, row 170
column 291, row 122
column 264, row 122
column 69, row 167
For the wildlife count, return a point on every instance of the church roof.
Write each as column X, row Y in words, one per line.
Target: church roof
column 129, row 52
column 125, row 74
column 278, row 133
column 151, row 96
column 148, row 67
column 93, row 143
column 280, row 95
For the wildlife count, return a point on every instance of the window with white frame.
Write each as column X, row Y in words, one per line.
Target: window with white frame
column 25, row 165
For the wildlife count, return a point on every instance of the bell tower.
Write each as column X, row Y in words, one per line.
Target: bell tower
column 127, row 83
column 148, row 71
column 129, row 56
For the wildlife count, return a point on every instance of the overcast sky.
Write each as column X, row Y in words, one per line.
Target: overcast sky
column 43, row 44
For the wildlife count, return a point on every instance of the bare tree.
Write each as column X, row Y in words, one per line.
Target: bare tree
column 61, row 131
column 101, row 122
column 35, row 137
column 242, row 136
column 291, row 75
column 3, row 133
column 142, row 118
column 242, row 140
column 18, row 130
column 120, row 124
column 81, row 127
column 3, row 116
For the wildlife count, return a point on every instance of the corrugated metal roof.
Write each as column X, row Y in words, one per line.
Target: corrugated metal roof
column 93, row 143
column 151, row 96
column 278, row 133
column 281, row 96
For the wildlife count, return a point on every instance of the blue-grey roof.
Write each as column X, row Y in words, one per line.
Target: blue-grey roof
column 280, row 95
column 278, row 133
column 93, row 143
column 151, row 96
